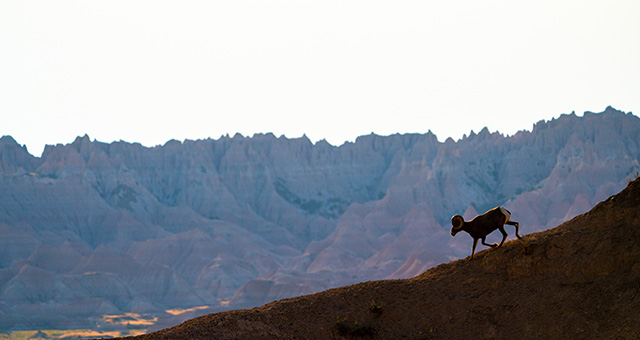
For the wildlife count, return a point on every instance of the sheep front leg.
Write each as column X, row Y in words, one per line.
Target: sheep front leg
column 473, row 250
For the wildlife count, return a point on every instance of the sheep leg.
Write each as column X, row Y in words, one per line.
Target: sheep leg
column 473, row 250
column 492, row 245
column 515, row 224
column 504, row 234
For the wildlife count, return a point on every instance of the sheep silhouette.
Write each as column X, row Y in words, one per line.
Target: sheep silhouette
column 482, row 225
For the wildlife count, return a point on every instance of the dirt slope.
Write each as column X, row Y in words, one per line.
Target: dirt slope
column 580, row 280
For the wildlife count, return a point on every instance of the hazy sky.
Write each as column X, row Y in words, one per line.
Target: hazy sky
column 150, row 71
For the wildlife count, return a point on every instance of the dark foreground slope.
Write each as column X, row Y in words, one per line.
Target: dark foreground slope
column 580, row 280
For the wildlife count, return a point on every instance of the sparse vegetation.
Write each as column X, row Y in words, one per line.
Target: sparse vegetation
column 331, row 208
column 375, row 308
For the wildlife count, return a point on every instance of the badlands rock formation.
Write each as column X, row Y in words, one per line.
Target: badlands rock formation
column 576, row 281
column 90, row 229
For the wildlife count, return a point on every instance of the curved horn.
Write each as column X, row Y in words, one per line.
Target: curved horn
column 457, row 221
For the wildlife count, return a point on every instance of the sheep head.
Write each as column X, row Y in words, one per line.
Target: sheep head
column 456, row 222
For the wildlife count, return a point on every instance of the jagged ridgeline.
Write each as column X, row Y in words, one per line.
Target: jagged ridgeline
column 92, row 229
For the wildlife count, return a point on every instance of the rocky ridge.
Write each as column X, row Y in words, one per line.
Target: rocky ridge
column 90, row 228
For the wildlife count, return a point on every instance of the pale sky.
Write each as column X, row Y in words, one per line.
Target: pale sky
column 151, row 71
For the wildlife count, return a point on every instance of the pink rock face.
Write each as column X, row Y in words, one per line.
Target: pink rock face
column 91, row 228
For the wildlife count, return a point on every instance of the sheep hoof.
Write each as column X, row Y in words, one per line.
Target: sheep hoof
column 493, row 245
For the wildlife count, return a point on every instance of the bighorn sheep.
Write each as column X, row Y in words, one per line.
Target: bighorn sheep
column 482, row 225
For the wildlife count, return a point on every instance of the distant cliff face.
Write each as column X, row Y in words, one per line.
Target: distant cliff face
column 90, row 228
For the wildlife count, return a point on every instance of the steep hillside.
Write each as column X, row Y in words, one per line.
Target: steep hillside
column 576, row 281
column 92, row 229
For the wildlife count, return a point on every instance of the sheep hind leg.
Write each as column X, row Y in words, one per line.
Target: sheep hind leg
column 492, row 245
column 517, row 225
column 504, row 235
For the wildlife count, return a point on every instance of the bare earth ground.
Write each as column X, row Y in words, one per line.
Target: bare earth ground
column 580, row 280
